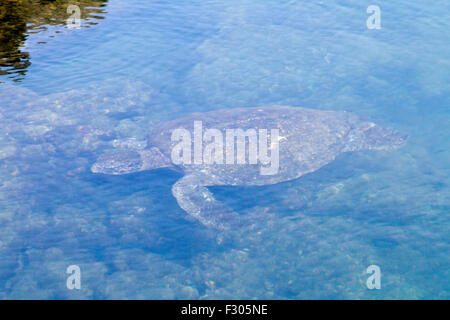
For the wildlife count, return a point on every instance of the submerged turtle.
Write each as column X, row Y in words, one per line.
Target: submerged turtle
column 298, row 140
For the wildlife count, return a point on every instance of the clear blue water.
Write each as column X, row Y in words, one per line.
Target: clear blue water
column 312, row 238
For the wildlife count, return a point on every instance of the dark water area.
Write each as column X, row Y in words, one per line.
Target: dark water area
column 22, row 18
column 67, row 95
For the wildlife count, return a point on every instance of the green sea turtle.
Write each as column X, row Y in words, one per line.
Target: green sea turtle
column 303, row 139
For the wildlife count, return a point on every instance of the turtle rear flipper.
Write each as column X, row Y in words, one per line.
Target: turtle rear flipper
column 194, row 197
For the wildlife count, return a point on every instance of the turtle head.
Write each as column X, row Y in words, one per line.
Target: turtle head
column 124, row 161
column 118, row 162
column 369, row 136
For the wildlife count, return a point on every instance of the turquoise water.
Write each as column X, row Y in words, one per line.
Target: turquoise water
column 312, row 238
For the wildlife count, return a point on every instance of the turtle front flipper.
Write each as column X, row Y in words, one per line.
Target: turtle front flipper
column 193, row 197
